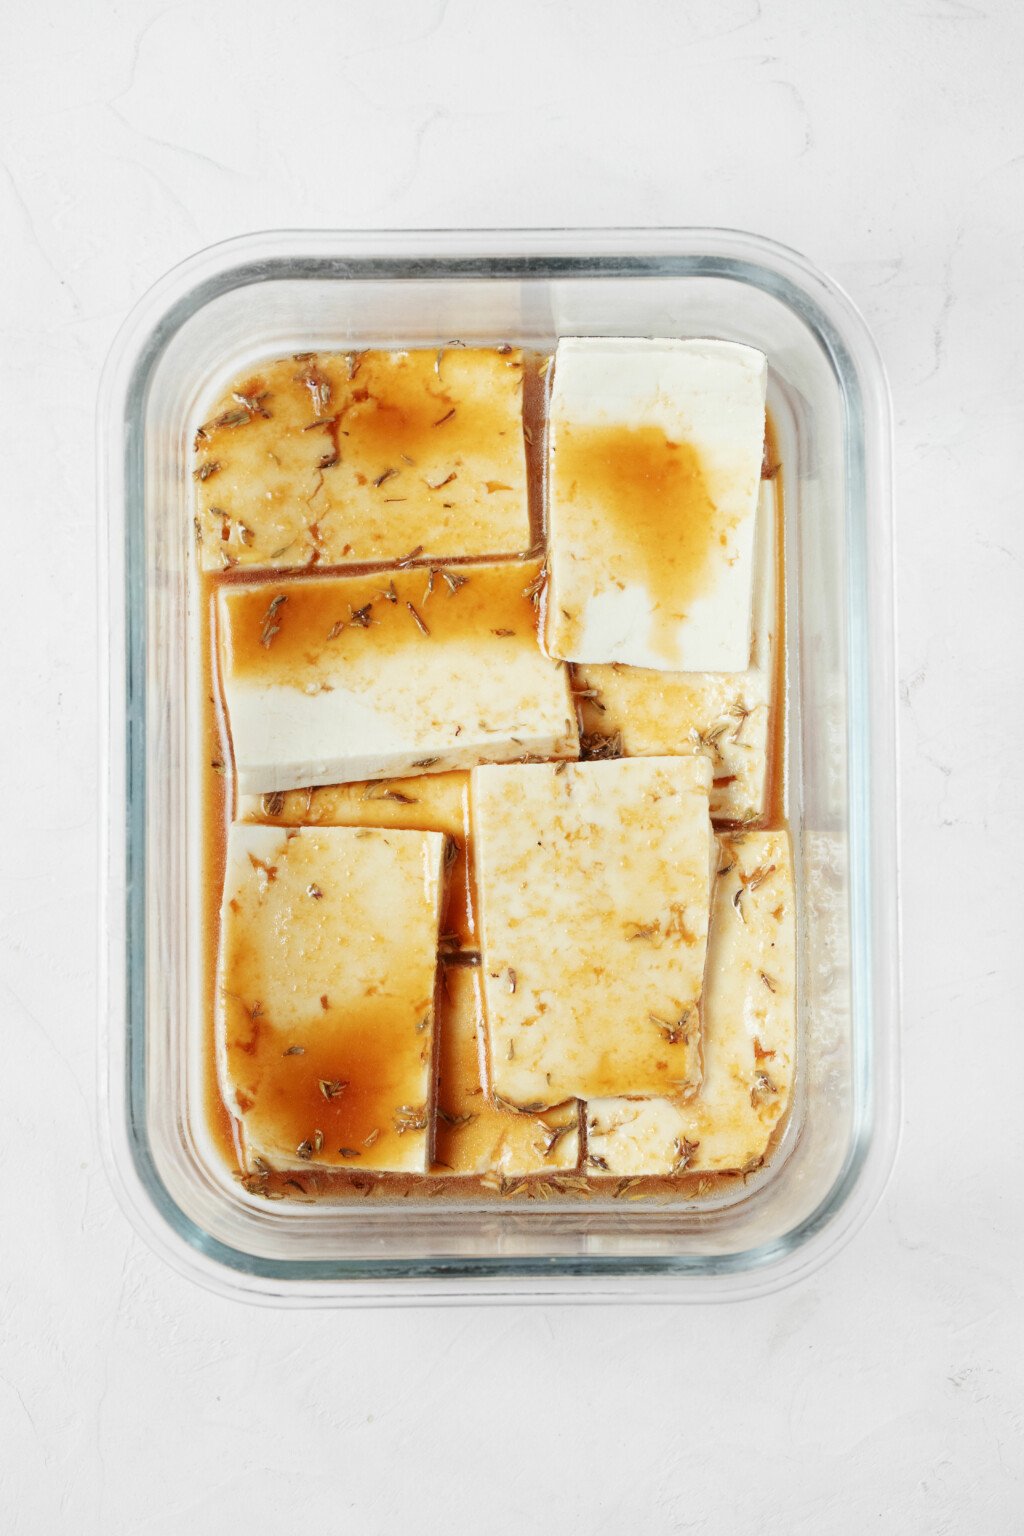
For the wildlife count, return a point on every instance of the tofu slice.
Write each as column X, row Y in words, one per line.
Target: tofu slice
column 336, row 459
column 325, row 993
column 472, row 1135
column 344, row 678
column 430, row 802
column 654, row 464
column 749, row 1033
column 725, row 715
column 594, row 882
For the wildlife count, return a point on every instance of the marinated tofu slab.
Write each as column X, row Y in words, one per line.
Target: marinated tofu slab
column 337, row 679
column 472, row 1134
column 338, row 459
column 594, row 883
column 724, row 715
column 654, row 465
column 325, row 993
column 430, row 802
column 749, row 1033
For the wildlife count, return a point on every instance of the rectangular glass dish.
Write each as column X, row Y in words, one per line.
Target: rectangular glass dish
column 283, row 293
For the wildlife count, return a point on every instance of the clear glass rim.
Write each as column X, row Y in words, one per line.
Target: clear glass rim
column 873, row 831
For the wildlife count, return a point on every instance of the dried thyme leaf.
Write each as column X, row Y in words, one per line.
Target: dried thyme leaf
column 410, row 1118
column 684, row 1154
column 384, row 477
column 454, row 1121
column 417, row 619
column 553, row 1134
column 413, row 554
column 372, row 793
column 294, row 1050
column 763, row 1089
column 270, row 624
column 319, row 387
column 253, row 404
column 440, row 355
column 533, row 1108
column 677, row 1031
column 208, row 470
column 596, row 747
column 446, row 417
column 741, row 713
column 453, row 581
column 536, row 586
column 333, row 1087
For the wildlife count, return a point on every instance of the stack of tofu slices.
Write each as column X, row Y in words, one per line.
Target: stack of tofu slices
column 477, row 919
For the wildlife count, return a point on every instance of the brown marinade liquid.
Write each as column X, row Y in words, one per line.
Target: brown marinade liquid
column 642, row 480
column 217, row 810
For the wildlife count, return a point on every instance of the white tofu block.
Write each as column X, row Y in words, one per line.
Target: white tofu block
column 336, row 459
column 430, row 802
column 325, row 993
column 748, row 1040
column 343, row 678
column 654, row 465
column 725, row 715
column 473, row 1135
column 593, row 887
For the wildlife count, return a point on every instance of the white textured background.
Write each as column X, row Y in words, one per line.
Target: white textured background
column 886, row 140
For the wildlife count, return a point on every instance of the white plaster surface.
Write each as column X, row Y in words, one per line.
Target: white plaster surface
column 886, row 140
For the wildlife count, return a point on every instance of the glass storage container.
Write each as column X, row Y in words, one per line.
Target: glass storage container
column 279, row 293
